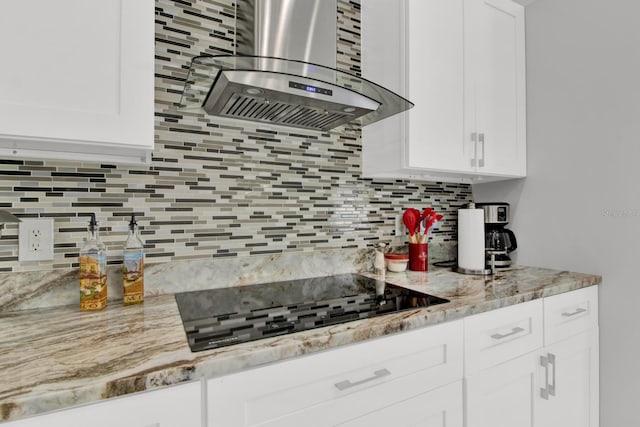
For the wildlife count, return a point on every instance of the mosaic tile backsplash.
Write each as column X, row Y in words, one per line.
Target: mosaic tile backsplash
column 219, row 188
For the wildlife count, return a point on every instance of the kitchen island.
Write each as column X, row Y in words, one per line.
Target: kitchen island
column 57, row 358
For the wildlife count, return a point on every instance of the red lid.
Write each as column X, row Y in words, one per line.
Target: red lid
column 396, row 256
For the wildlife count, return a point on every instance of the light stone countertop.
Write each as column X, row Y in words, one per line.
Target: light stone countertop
column 60, row 357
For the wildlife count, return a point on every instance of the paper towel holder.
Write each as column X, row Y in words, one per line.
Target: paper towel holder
column 483, row 272
column 480, row 272
column 486, row 271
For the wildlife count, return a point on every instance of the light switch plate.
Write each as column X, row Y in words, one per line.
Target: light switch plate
column 35, row 239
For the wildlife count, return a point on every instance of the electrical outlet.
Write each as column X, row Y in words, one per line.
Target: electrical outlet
column 35, row 240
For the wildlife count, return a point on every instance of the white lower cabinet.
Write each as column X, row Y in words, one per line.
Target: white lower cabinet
column 374, row 380
column 570, row 378
column 503, row 396
column 533, row 364
column 572, row 398
column 177, row 406
column 554, row 385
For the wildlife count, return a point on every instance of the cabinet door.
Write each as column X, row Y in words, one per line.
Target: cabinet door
column 505, row 395
column 438, row 408
column 462, row 63
column 384, row 61
column 77, row 79
column 495, row 85
column 177, row 406
column 420, row 56
column 571, row 383
column 435, row 85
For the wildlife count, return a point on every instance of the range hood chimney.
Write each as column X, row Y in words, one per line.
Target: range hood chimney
column 284, row 72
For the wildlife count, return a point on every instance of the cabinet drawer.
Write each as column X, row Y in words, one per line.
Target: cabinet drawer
column 570, row 313
column 500, row 335
column 323, row 388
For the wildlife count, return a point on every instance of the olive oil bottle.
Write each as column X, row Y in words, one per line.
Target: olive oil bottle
column 93, row 271
column 133, row 266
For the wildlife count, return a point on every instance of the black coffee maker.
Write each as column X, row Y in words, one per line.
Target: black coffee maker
column 499, row 241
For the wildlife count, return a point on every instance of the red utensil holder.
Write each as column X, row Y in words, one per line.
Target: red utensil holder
column 418, row 256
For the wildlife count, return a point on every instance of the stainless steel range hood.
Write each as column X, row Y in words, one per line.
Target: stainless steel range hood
column 285, row 72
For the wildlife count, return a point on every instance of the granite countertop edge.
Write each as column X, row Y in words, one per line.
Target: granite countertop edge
column 147, row 346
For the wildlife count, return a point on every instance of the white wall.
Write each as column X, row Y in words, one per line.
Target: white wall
column 579, row 207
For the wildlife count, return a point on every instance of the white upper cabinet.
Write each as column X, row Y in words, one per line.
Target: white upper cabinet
column 77, row 80
column 495, row 87
column 461, row 62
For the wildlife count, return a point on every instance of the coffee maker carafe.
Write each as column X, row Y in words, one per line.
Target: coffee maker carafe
column 499, row 241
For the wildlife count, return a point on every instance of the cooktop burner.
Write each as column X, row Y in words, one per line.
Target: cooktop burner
column 220, row 317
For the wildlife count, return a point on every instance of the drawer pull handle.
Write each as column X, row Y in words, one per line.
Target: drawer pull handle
column 548, row 389
column 578, row 311
column 474, row 140
column 552, row 387
column 514, row 331
column 544, row 391
column 343, row 385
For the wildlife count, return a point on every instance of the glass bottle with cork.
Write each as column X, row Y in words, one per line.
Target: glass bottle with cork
column 93, row 270
column 378, row 260
column 133, row 266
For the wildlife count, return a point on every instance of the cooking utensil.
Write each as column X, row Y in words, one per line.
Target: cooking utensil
column 409, row 219
column 415, row 221
column 429, row 220
column 430, row 227
column 426, row 214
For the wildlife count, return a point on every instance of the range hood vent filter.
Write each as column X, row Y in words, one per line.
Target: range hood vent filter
column 275, row 98
column 250, row 108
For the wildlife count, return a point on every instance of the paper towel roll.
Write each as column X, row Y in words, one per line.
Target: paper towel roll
column 471, row 239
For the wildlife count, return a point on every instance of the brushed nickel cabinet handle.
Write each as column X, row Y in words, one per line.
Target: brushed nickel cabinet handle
column 550, row 388
column 343, row 385
column 481, row 141
column 552, row 361
column 474, row 139
column 578, row 311
column 544, row 391
column 514, row 331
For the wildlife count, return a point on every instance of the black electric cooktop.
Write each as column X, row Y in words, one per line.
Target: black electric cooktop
column 221, row 317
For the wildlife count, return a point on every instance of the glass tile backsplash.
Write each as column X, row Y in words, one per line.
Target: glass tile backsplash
column 219, row 188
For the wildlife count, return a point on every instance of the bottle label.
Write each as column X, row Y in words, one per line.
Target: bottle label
column 133, row 277
column 93, row 282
